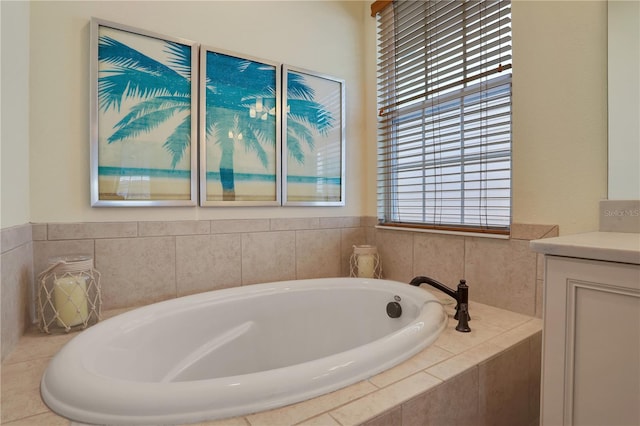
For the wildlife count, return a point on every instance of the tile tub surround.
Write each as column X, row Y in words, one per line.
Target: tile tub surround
column 501, row 272
column 494, row 371
column 146, row 262
column 16, row 280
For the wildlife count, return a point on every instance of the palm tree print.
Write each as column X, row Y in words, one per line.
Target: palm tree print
column 303, row 116
column 240, row 105
column 164, row 91
column 240, row 112
column 240, row 102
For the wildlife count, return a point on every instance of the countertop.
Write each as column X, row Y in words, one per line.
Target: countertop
column 621, row 247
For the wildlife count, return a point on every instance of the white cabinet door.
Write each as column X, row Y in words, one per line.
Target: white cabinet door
column 591, row 343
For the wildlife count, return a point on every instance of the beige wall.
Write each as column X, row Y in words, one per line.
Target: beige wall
column 14, row 151
column 559, row 112
column 559, row 80
column 319, row 35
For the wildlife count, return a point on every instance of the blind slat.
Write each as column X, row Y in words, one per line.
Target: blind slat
column 444, row 88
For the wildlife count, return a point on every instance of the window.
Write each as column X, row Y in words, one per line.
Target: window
column 444, row 135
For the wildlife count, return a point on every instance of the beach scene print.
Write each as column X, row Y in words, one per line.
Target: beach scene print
column 313, row 138
column 144, row 114
column 240, row 97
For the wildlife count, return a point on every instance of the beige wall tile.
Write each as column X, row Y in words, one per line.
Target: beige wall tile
column 396, row 254
column 208, row 262
column 268, row 256
column 451, row 341
column 371, row 235
column 16, row 405
column 501, row 273
column 504, row 388
column 23, row 376
column 496, row 317
column 379, row 402
column 39, row 231
column 78, row 231
column 440, row 257
column 350, row 237
column 136, row 271
column 539, row 266
column 48, row 419
column 318, row 253
column 368, row 221
column 518, row 334
column 464, row 361
column 539, row 302
column 35, row 344
column 340, row 222
column 16, row 279
column 535, row 376
column 15, row 236
column 388, row 418
column 525, row 231
column 292, row 224
column 182, row 227
column 229, row 226
column 454, row 402
column 322, row 420
column 424, row 359
column 292, row 414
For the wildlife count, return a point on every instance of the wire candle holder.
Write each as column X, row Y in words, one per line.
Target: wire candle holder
column 365, row 262
column 69, row 296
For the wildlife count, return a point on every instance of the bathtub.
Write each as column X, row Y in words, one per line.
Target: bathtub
column 237, row 351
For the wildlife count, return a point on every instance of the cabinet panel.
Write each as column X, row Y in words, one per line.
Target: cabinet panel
column 591, row 347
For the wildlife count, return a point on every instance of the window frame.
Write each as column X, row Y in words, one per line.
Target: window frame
column 386, row 205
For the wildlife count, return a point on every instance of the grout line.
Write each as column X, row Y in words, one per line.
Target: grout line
column 242, row 236
column 175, row 265
column 464, row 258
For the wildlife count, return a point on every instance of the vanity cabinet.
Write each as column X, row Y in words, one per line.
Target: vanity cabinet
column 591, row 334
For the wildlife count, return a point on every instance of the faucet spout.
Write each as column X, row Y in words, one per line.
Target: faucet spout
column 461, row 295
column 437, row 284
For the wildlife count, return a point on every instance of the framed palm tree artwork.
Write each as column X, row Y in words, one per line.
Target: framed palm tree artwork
column 239, row 130
column 143, row 117
column 314, row 138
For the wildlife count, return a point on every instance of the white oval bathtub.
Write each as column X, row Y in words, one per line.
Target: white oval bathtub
column 237, row 351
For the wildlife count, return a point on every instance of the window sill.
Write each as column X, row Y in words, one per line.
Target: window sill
column 438, row 231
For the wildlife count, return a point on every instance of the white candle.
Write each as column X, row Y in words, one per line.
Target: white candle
column 365, row 266
column 70, row 300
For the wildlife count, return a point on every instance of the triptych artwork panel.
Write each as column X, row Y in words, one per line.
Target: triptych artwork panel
column 150, row 91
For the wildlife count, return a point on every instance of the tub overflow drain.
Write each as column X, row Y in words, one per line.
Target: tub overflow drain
column 394, row 310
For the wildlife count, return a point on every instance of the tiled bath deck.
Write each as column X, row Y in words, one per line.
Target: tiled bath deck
column 489, row 376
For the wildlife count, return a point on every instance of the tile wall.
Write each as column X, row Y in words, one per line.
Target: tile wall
column 16, row 280
column 145, row 262
column 500, row 272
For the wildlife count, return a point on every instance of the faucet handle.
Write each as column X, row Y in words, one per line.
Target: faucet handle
column 463, row 322
column 462, row 296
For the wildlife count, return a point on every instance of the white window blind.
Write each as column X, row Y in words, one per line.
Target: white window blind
column 444, row 134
